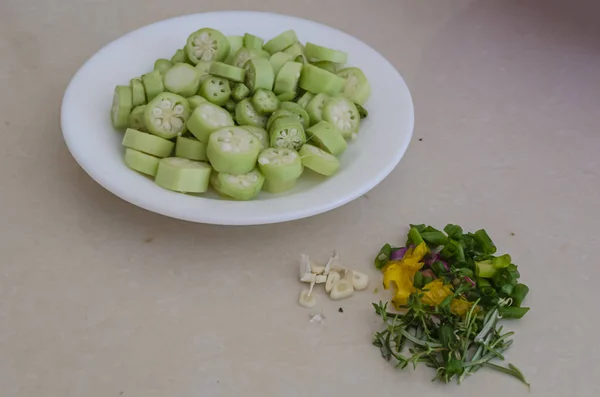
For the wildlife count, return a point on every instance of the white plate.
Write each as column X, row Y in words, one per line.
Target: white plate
column 96, row 146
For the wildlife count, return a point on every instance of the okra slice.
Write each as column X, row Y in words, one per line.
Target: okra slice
column 229, row 72
column 136, row 118
column 259, row 74
column 286, row 96
column 138, row 94
column 204, row 69
column 230, row 106
column 238, row 187
column 327, row 65
column 280, row 164
column 265, row 102
column 153, row 84
column 233, row 150
column 162, row 65
column 279, row 113
column 356, row 86
column 166, row 115
column 179, row 56
column 121, row 106
column 305, row 99
column 141, row 162
column 281, row 42
column 295, row 50
column 277, row 186
column 251, row 41
column 190, row 148
column 317, row 80
column 246, row 114
column 315, row 108
column 216, row 90
column 195, row 101
column 288, row 77
column 278, row 60
column 235, row 43
column 183, row 175
column 319, row 160
column 147, row 143
column 260, row 133
column 207, row 44
column 316, row 53
column 206, row 119
column 287, row 132
column 325, row 136
column 244, row 54
column 343, row 115
column 239, row 92
column 182, row 79
column 298, row 111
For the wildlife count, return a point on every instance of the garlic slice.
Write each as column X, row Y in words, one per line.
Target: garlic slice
column 360, row 281
column 306, row 299
column 342, row 289
column 332, row 278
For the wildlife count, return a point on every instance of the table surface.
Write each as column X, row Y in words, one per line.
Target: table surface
column 100, row 298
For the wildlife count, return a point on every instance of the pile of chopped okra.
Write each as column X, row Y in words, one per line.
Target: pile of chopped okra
column 240, row 114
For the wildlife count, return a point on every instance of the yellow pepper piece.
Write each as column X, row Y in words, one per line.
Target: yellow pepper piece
column 401, row 273
column 435, row 292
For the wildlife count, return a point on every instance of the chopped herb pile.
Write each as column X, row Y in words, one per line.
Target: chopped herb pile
column 451, row 290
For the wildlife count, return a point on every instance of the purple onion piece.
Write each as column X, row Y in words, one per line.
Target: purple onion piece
column 446, row 266
column 432, row 259
column 468, row 279
column 398, row 254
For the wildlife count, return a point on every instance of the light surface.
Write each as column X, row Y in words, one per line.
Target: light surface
column 100, row 298
column 97, row 146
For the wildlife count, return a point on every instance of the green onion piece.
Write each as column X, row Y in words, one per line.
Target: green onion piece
column 485, row 242
column 485, row 269
column 418, row 280
column 414, row 236
column 483, row 282
column 454, row 231
column 513, row 312
column 434, row 238
column 383, row 257
column 519, row 293
column 501, row 261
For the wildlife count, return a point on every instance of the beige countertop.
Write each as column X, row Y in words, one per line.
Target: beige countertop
column 99, row 298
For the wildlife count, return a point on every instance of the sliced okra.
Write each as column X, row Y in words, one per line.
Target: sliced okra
column 277, row 186
column 183, row 175
column 265, row 102
column 235, row 43
column 239, row 92
column 319, row 160
column 278, row 60
column 287, row 78
column 195, row 101
column 316, row 53
column 342, row 113
column 233, row 150
column 260, row 133
column 182, row 79
column 206, row 119
column 287, row 132
column 254, row 42
column 298, row 111
column 216, row 90
column 147, row 143
column 238, row 186
column 356, row 86
column 259, row 74
column 246, row 114
column 162, row 65
column 179, row 56
column 244, row 54
column 326, row 65
column 317, row 80
column 315, row 107
column 286, row 96
column 325, row 136
column 121, row 106
column 281, row 42
column 280, row 164
column 295, row 49
column 305, row 99
column 138, row 94
column 229, row 72
column 190, row 148
column 166, row 115
column 153, row 85
column 136, row 118
column 141, row 162
column 207, row 44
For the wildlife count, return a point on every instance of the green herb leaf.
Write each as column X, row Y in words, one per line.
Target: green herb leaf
column 455, row 232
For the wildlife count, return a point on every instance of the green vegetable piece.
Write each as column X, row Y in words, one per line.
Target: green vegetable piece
column 287, row 78
column 141, row 162
column 264, row 101
column 166, row 115
column 298, row 111
column 204, row 69
column 485, row 269
column 183, row 175
column 326, row 65
column 512, row 312
column 278, row 60
column 315, row 108
column 418, row 280
column 121, row 106
column 190, row 148
column 246, row 114
column 356, row 86
column 182, row 79
column 305, row 99
column 153, row 84
column 136, row 118
column 278, row 114
column 147, row 143
column 343, row 115
column 229, row 72
column 259, row 74
column 206, row 119
column 287, row 132
column 179, row 57
column 286, row 96
column 216, row 90
column 233, row 150
column 240, row 91
column 414, row 237
column 251, row 41
column 162, row 65
column 362, row 112
column 301, row 59
column 295, row 50
column 501, row 261
column 519, row 293
column 280, row 164
column 433, row 237
column 195, row 101
column 230, row 105
column 235, row 43
column 454, row 232
column 317, row 80
column 244, row 54
column 138, row 94
column 484, row 242
column 238, row 187
column 281, row 42
column 383, row 257
column 316, row 53
column 260, row 133
column 276, row 186
column 207, row 44
column 319, row 160
column 325, row 136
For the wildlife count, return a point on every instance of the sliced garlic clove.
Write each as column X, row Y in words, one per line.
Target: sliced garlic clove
column 342, row 289
column 316, row 268
column 308, row 278
column 360, row 281
column 332, row 278
column 304, row 265
column 306, row 299
column 332, row 262
column 320, row 279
